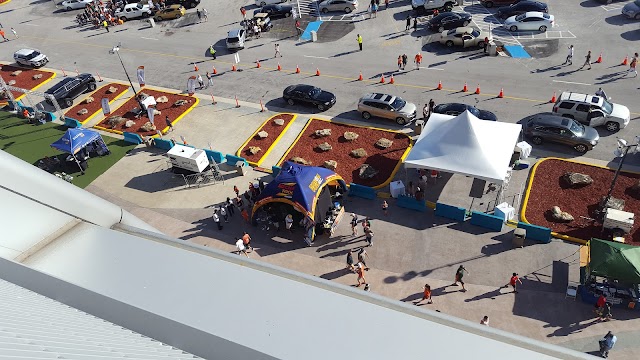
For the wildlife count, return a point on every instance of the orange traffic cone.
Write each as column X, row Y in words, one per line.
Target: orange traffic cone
column 215, row 71
column 439, row 85
column 279, row 67
column 382, row 79
column 599, row 59
column 626, row 60
column 257, row 63
column 465, row 89
column 360, row 77
column 297, row 69
column 478, row 90
column 195, row 67
column 501, row 95
column 233, row 67
column 317, row 72
column 392, row 81
column 553, row 99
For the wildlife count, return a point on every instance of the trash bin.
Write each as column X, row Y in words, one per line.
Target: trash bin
column 240, row 168
column 314, row 36
column 417, row 127
column 518, row 237
column 493, row 49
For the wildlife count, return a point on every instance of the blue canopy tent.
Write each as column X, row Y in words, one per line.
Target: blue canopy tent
column 301, row 186
column 77, row 139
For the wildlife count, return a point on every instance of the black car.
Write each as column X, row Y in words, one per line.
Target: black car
column 70, row 88
column 521, row 8
column 309, row 95
column 448, row 21
column 188, row 4
column 275, row 11
column 456, row 109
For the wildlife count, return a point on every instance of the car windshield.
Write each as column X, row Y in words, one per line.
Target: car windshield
column 475, row 33
column 546, row 16
column 314, row 92
column 474, row 111
column 33, row 55
column 576, row 128
column 520, row 17
column 398, row 103
column 452, row 32
column 607, row 106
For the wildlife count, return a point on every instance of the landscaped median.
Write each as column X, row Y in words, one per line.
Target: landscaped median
column 361, row 155
column 91, row 105
column 122, row 119
column 264, row 139
column 30, row 79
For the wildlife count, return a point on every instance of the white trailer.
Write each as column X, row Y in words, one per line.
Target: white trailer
column 188, row 158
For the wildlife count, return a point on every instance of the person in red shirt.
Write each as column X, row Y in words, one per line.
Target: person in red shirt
column 246, row 239
column 513, row 281
column 418, row 60
column 599, row 305
column 426, row 295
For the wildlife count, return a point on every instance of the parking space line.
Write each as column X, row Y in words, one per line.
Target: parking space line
column 431, row 68
column 487, row 21
column 612, row 7
column 571, row 82
column 316, row 57
column 148, row 38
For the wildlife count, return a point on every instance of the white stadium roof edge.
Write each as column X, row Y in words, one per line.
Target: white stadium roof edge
column 89, row 254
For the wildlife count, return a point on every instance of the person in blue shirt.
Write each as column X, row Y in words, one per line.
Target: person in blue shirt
column 607, row 343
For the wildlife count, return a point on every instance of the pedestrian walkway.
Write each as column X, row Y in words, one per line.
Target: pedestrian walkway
column 285, row 142
column 307, row 7
column 487, row 21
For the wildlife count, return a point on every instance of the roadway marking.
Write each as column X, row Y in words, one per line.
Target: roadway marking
column 31, row 24
column 149, row 38
column 612, row 7
column 571, row 82
column 317, row 57
column 431, row 68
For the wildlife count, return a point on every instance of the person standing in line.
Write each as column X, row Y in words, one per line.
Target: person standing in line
column 408, row 25
column 360, row 272
column 426, row 295
column 209, row 79
column 607, row 343
column 632, row 65
column 354, row 224
column 240, row 248
column 169, row 124
column 246, row 240
column 223, row 213
column 288, row 222
column 485, row 321
column 513, row 281
column 459, row 274
column 216, row 219
column 362, row 257
column 359, row 39
column 350, row 263
column 205, row 14
column 405, row 59
column 200, row 81
column 230, row 207
column 14, row 32
column 106, row 25
column 587, row 60
column 418, row 60
column 199, row 15
column 368, row 235
column 569, row 59
column 277, row 47
column 385, row 207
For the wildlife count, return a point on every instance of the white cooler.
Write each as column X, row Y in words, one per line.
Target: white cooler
column 396, row 188
column 524, row 149
column 504, row 211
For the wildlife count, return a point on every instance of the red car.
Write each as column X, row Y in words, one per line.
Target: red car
column 492, row 3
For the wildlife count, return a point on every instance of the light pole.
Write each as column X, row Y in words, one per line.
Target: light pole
column 116, row 50
column 621, row 152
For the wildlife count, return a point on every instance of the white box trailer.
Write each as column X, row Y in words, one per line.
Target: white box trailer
column 619, row 222
column 188, row 158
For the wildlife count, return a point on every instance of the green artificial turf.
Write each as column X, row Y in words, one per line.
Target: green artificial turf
column 32, row 143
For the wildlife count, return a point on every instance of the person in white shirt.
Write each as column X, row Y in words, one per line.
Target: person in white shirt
column 241, row 249
column 485, row 321
column 569, row 59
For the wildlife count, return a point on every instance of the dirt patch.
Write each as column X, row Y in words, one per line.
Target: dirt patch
column 383, row 160
column 548, row 190
column 166, row 109
column 265, row 143
column 94, row 106
column 25, row 79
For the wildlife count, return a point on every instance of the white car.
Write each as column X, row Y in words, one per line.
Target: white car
column 133, row 11
column 268, row 2
column 75, row 4
column 529, row 21
column 30, row 57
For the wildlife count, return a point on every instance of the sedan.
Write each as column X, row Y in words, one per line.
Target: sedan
column 492, row 3
column 338, row 5
column 455, row 109
column 268, row 2
column 464, row 36
column 529, row 21
column 549, row 127
column 632, row 10
column 275, row 11
column 170, row 13
column 75, row 4
column 522, row 7
column 309, row 95
column 448, row 20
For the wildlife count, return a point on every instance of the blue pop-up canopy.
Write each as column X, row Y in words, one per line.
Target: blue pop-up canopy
column 75, row 139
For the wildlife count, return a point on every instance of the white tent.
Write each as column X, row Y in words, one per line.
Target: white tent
column 465, row 145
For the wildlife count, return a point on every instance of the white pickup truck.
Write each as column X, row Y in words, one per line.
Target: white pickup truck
column 133, row 11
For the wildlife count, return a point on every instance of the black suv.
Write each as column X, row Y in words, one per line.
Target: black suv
column 521, row 8
column 70, row 88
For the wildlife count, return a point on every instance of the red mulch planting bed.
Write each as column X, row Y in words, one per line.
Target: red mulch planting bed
column 166, row 109
column 98, row 95
column 548, row 190
column 24, row 79
column 383, row 160
column 273, row 130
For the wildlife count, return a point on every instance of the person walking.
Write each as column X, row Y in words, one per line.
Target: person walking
column 223, row 213
column 205, row 14
column 246, row 240
column 605, row 314
column 426, row 295
column 362, row 257
column 459, row 274
column 485, row 321
column 359, row 39
column 370, row 10
column 14, row 32
column 385, row 207
column 432, row 105
column 230, row 207
column 386, row 4
column 632, row 65
column 277, row 47
column 298, row 28
column 106, row 25
column 513, row 281
column 350, row 262
column 209, row 79
column 240, row 248
column 168, row 122
column 360, row 272
column 418, row 60
column 587, row 60
column 200, row 81
column 485, row 44
column 288, row 222
column 199, row 15
column 405, row 59
column 354, row 224
column 607, row 343
column 216, row 219
column 375, row 10
column 399, row 62
column 569, row 59
column 243, row 11
column 408, row 25
column 368, row 235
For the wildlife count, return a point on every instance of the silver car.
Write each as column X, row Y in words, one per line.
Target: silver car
column 386, row 106
column 75, row 4
column 632, row 10
column 464, row 36
column 30, row 57
column 529, row 21
column 338, row 5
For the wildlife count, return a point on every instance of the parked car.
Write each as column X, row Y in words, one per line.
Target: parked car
column 522, row 7
column 430, row 6
column 529, row 21
column 455, row 109
column 388, row 107
column 188, row 4
column 235, row 39
column 268, row 2
column 547, row 127
column 309, row 95
column 607, row 2
column 170, row 13
column 30, row 57
column 70, row 88
column 448, row 20
column 275, row 11
column 632, row 10
column 75, row 4
column 464, row 36
column 133, row 11
column 492, row 3
column 592, row 110
column 338, row 5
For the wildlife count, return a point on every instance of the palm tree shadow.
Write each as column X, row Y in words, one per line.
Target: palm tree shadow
column 488, row 295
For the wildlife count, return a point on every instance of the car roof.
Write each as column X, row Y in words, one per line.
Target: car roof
column 465, row 29
column 534, row 14
column 234, row 33
column 551, row 119
column 379, row 97
column 302, row 87
column 583, row 98
column 175, row 6
column 25, row 51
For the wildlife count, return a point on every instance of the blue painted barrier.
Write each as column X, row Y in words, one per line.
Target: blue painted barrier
column 71, row 122
column 49, row 116
column 215, row 156
column 163, row 144
column 411, row 203
column 275, row 170
column 487, row 221
column 537, row 233
column 132, row 138
column 232, row 160
column 451, row 212
column 362, row 191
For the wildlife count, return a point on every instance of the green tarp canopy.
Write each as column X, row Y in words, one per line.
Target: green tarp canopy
column 614, row 260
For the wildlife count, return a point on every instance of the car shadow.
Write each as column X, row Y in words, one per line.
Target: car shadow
column 632, row 35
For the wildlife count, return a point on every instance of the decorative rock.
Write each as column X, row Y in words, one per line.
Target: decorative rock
column 180, row 102
column 325, row 146
column 323, row 132
column 16, row 73
column 262, row 134
column 350, row 135
column 89, row 100
column 278, row 121
column 613, row 203
column 11, row 82
column 300, row 160
column 384, row 143
column 82, row 111
column 148, row 126
column 359, row 153
column 635, row 190
column 577, row 179
column 331, row 164
column 367, row 171
column 162, row 99
column 129, row 123
column 37, row 76
column 157, row 112
column 112, row 89
column 560, row 215
column 115, row 120
column 254, row 150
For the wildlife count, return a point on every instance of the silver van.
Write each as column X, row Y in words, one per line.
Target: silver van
column 235, row 39
column 388, row 107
